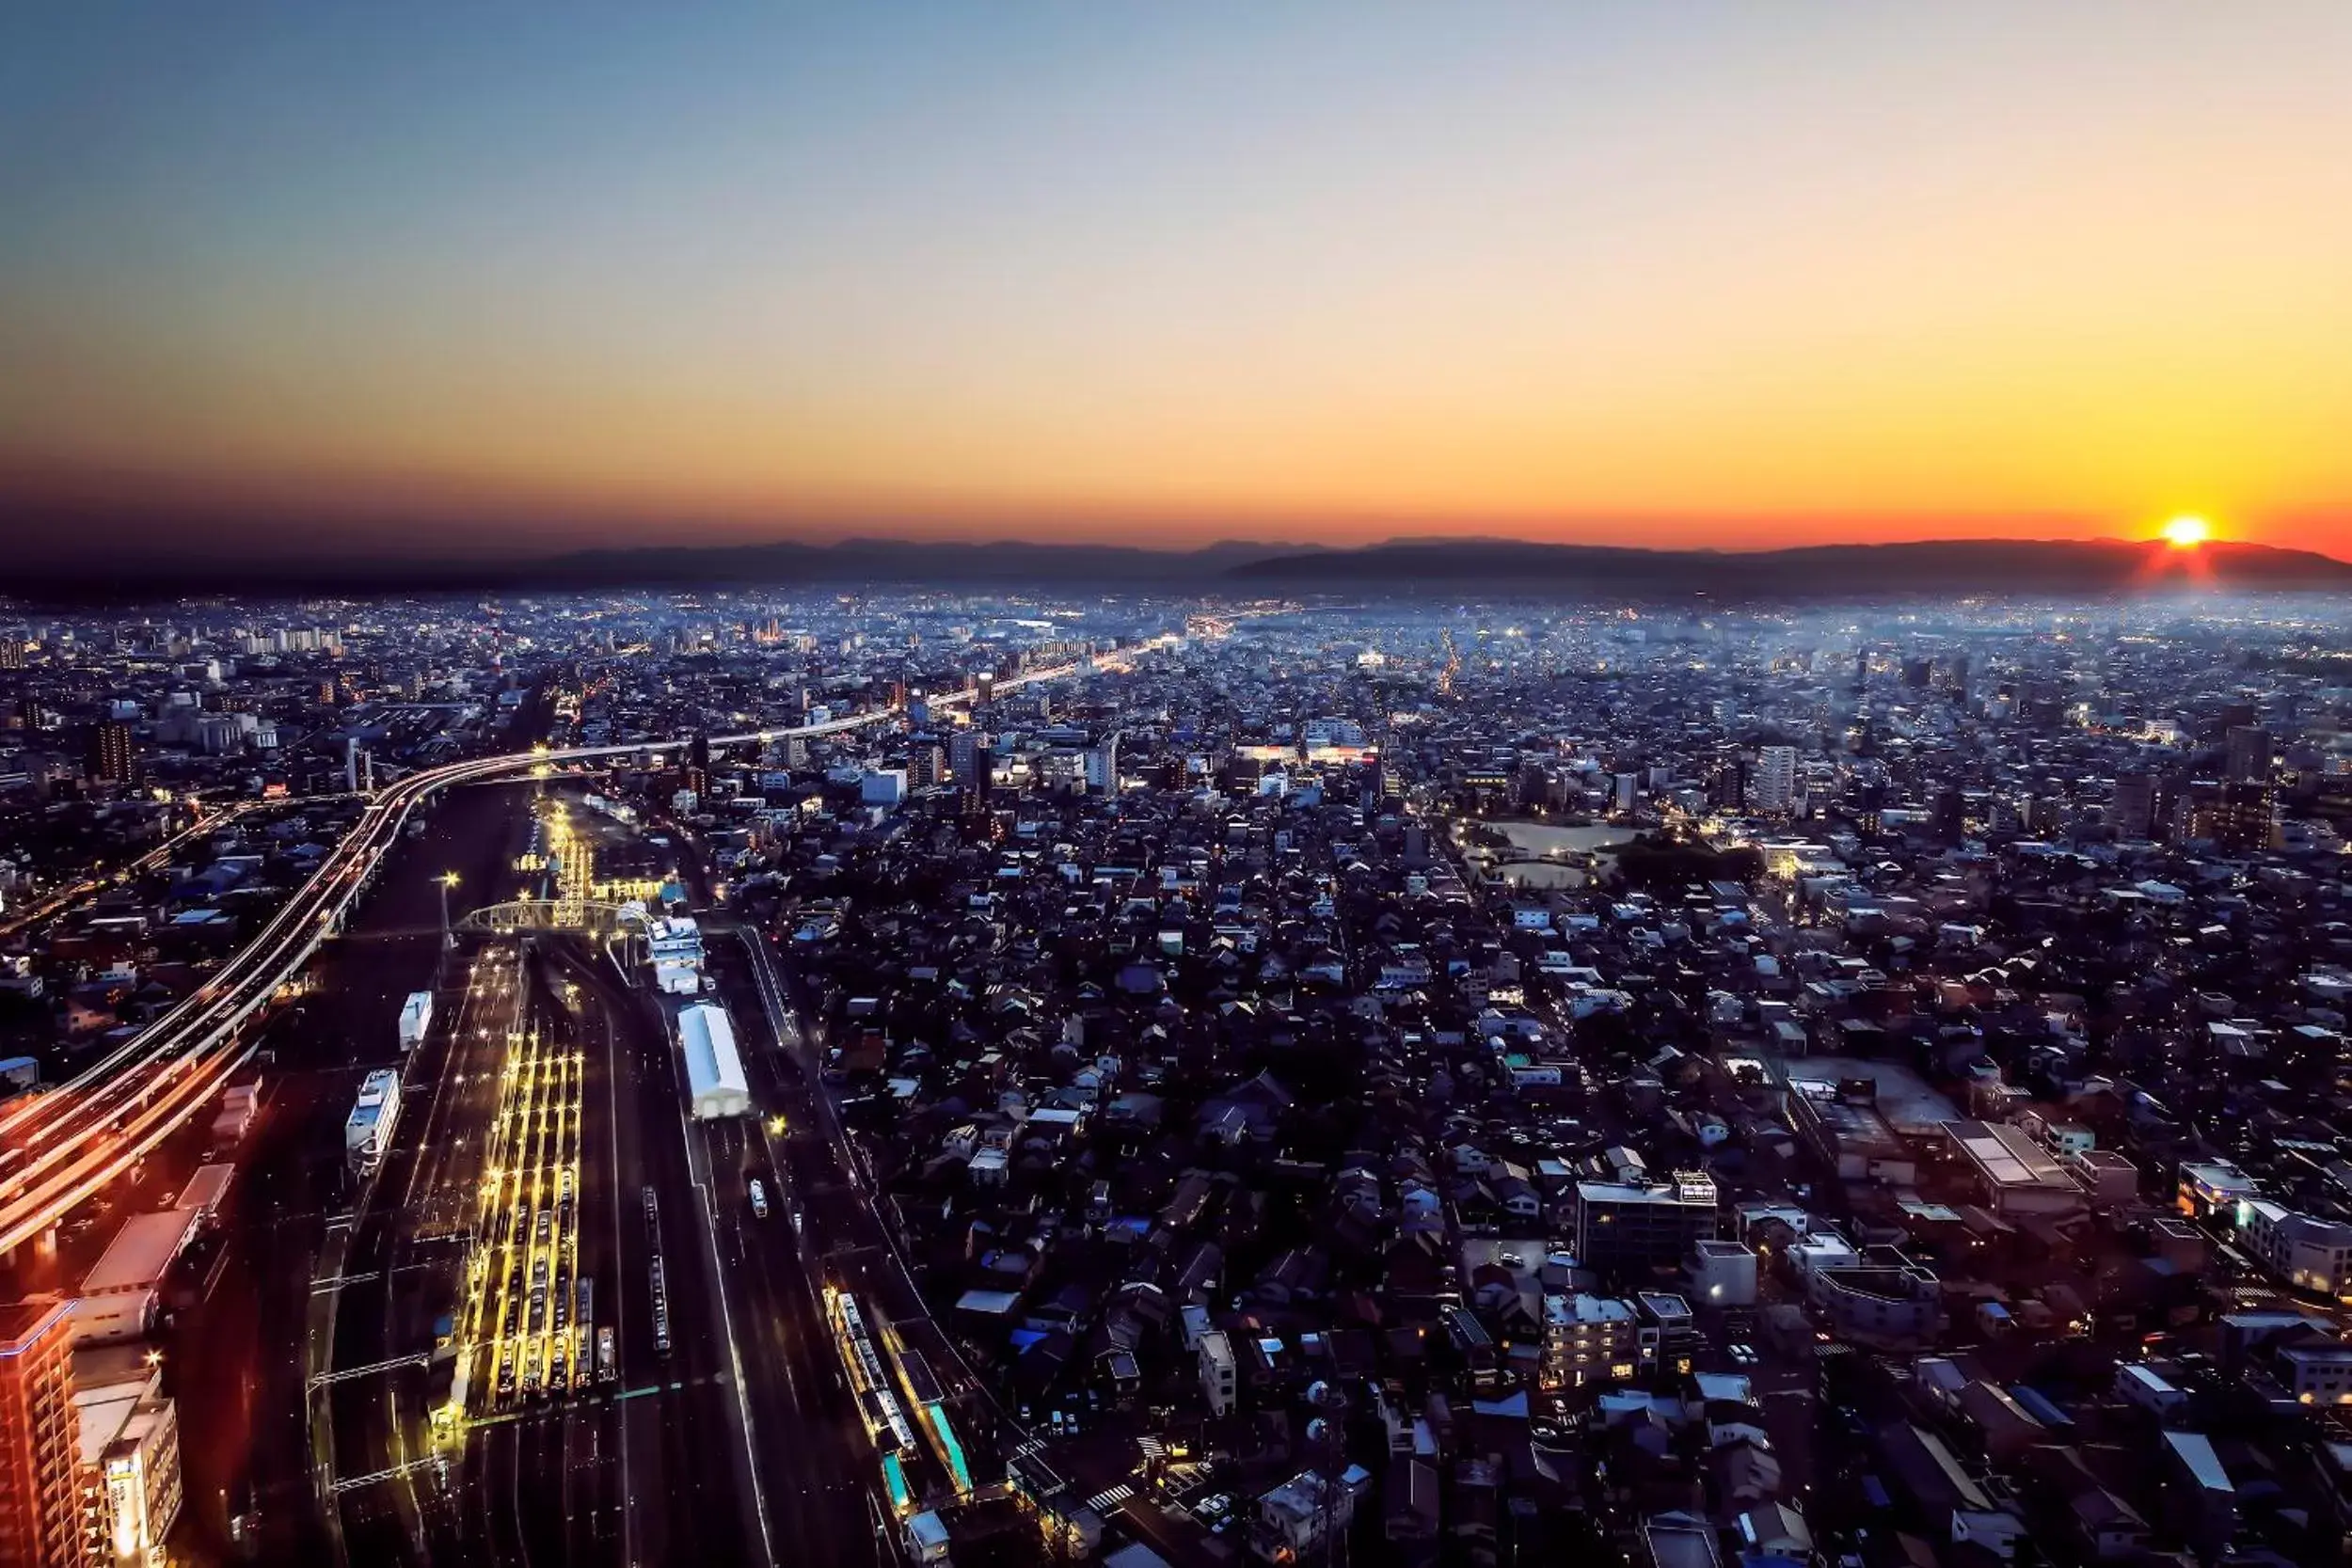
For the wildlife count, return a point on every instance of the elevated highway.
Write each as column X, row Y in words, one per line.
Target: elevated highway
column 59, row 1148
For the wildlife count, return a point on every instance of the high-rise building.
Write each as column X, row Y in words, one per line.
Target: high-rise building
column 971, row 765
column 113, row 758
column 2134, row 813
column 129, row 1450
column 1949, row 818
column 1773, row 787
column 2250, row 750
column 965, row 748
column 1103, row 765
column 2249, row 815
column 40, row 1492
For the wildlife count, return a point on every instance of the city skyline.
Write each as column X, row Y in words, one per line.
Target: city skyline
column 421, row 285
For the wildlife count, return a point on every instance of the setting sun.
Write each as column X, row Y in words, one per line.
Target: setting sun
column 2186, row 533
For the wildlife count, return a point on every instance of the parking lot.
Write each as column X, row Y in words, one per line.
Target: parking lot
column 528, row 1309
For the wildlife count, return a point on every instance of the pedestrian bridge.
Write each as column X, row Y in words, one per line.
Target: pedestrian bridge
column 554, row 914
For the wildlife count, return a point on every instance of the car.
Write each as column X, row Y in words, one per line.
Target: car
column 547, row 1226
column 1743, row 1355
column 759, row 1198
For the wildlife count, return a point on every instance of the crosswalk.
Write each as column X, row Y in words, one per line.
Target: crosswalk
column 1106, row 1502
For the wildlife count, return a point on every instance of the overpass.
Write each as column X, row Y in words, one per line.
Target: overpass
column 551, row 914
column 59, row 1148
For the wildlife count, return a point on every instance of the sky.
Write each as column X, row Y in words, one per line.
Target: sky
column 467, row 279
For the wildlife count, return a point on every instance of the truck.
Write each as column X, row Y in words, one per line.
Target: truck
column 416, row 1016
column 238, row 1105
column 927, row 1538
column 368, row 1131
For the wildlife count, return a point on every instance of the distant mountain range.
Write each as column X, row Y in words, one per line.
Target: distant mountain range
column 1945, row 568
column 1951, row 567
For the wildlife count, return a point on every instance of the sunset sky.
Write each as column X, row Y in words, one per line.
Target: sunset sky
column 464, row 279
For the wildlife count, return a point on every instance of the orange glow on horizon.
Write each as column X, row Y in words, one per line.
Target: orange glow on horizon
column 1648, row 281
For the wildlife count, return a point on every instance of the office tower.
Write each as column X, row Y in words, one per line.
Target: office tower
column 12, row 651
column 2250, row 749
column 113, row 758
column 698, row 753
column 926, row 762
column 2134, row 811
column 972, row 775
column 965, row 748
column 1774, row 786
column 40, row 1500
column 983, row 689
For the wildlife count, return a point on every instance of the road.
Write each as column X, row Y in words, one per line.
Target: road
column 248, row 1442
column 59, row 1147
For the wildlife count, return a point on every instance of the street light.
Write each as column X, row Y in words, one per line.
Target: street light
column 447, row 879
